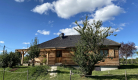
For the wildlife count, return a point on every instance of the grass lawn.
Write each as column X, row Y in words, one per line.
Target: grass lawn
column 63, row 73
column 35, row 73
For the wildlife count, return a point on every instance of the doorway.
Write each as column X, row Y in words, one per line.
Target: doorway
column 58, row 56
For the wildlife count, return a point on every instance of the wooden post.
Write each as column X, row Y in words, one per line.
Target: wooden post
column 125, row 75
column 70, row 74
column 27, row 74
column 22, row 58
column 47, row 57
column 3, row 72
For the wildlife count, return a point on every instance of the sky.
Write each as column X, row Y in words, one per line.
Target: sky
column 23, row 20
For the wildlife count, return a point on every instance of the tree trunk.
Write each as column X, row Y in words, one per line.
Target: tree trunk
column 126, row 59
column 90, row 71
column 33, row 62
column 131, row 60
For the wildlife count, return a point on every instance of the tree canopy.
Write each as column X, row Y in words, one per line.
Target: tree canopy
column 34, row 50
column 127, row 50
column 86, row 53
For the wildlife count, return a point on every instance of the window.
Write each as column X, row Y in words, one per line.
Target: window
column 58, row 53
column 104, row 51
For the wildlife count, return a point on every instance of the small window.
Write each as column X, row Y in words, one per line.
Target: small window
column 101, row 52
column 104, row 51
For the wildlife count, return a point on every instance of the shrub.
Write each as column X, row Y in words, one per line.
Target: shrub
column 44, row 60
column 10, row 60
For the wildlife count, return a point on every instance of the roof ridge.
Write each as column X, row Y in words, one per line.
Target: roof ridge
column 71, row 35
column 112, row 40
column 48, row 40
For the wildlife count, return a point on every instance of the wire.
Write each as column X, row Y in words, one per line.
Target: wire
column 8, row 47
column 1, row 46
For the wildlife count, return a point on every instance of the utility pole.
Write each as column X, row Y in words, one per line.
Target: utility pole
column 4, row 62
column 3, row 49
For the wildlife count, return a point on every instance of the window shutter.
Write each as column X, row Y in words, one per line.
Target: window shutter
column 111, row 52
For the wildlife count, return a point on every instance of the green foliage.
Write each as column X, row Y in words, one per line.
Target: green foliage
column 92, row 38
column 34, row 73
column 34, row 50
column 136, row 52
column 26, row 59
column 9, row 60
column 14, row 59
column 44, row 55
column 44, row 60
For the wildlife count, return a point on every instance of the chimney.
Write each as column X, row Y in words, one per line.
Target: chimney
column 61, row 35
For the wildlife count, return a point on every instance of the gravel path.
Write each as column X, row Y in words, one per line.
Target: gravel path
column 53, row 72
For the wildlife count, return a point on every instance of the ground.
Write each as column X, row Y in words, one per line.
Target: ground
column 63, row 73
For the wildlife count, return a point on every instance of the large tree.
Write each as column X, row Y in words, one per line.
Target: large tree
column 127, row 50
column 86, row 53
column 34, row 50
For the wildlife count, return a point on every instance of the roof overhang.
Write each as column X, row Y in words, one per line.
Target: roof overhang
column 55, row 48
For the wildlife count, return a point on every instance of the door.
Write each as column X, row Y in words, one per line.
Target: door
column 58, row 56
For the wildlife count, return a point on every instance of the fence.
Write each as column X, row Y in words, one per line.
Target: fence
column 15, row 72
column 125, row 74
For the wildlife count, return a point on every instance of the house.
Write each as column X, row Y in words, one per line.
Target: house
column 58, row 50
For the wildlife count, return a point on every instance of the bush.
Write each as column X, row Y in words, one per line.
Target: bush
column 38, row 70
column 26, row 59
column 44, row 60
column 10, row 60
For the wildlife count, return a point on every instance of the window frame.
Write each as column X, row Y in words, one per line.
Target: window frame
column 104, row 51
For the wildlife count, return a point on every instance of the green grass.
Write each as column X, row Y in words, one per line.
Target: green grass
column 35, row 73
column 63, row 73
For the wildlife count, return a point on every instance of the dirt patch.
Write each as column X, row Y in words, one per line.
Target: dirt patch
column 13, row 69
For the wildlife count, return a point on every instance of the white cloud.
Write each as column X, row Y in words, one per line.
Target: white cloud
column 134, row 4
column 25, row 48
column 107, row 13
column 1, row 51
column 19, row 0
column 121, row 1
column 43, row 32
column 56, row 33
column 49, row 22
column 1, row 41
column 68, row 8
column 106, row 10
column 36, row 34
column 112, row 24
column 41, row 1
column 104, row 14
column 68, row 31
column 122, row 24
column 42, row 8
column 72, row 31
column 26, row 42
column 136, row 47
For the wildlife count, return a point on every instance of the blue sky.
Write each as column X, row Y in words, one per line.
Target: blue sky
column 23, row 20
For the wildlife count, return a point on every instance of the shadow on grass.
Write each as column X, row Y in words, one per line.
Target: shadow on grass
column 70, row 67
column 20, row 67
column 58, row 71
column 119, row 77
column 128, row 66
